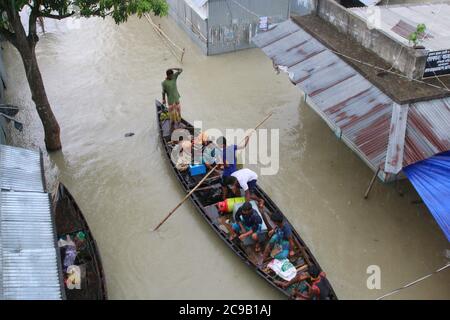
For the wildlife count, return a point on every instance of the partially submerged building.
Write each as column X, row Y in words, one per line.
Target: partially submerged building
column 220, row 26
column 374, row 89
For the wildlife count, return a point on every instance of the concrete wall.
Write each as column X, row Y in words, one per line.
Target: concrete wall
column 408, row 60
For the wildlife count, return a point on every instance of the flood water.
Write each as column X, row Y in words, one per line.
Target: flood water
column 102, row 81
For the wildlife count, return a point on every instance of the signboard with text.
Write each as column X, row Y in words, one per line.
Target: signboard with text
column 438, row 64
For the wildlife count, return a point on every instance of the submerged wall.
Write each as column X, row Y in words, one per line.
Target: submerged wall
column 233, row 23
column 230, row 24
column 190, row 21
column 303, row 7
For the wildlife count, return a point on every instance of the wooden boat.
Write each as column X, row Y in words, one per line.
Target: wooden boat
column 204, row 200
column 70, row 222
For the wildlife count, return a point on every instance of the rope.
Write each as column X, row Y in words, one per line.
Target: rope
column 445, row 88
column 247, row 9
column 414, row 282
column 389, row 71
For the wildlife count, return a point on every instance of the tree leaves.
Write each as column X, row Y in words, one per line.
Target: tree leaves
column 120, row 10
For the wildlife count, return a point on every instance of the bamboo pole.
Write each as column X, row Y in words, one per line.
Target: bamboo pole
column 204, row 178
column 366, row 195
column 164, row 35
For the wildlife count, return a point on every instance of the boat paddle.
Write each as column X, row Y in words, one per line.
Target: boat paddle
column 204, row 178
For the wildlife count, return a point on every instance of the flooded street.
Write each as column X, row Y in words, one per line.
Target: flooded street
column 102, row 80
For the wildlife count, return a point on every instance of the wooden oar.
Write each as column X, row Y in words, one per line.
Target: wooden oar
column 204, row 178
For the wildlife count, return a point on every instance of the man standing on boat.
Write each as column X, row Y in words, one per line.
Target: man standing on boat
column 169, row 88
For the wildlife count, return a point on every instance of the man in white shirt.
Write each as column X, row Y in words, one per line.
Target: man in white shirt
column 245, row 179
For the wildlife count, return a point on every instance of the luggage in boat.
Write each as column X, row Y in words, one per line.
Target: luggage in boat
column 197, row 169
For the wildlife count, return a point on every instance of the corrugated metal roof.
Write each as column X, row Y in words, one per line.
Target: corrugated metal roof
column 29, row 267
column 199, row 6
column 20, row 169
column 360, row 113
column 399, row 21
column 428, row 130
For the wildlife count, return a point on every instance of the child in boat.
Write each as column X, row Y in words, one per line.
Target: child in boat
column 245, row 179
column 209, row 152
column 248, row 223
column 281, row 242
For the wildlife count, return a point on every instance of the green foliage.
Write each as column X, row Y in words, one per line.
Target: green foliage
column 119, row 10
column 418, row 35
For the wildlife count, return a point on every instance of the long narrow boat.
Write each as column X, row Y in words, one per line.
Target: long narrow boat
column 71, row 225
column 204, row 200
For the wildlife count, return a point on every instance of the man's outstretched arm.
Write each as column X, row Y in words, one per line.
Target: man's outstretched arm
column 178, row 70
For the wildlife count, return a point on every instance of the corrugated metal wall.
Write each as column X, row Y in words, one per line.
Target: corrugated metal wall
column 303, row 7
column 190, row 21
column 233, row 23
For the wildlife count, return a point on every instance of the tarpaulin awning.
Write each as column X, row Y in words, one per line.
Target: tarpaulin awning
column 431, row 178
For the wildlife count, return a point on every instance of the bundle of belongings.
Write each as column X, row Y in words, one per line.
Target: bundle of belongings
column 71, row 246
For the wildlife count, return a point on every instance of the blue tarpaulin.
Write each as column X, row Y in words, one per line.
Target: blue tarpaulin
column 431, row 178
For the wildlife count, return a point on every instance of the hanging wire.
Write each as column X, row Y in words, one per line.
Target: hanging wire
column 246, row 9
column 414, row 282
column 445, row 88
column 389, row 71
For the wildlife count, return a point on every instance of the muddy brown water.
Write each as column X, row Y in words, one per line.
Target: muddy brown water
column 102, row 80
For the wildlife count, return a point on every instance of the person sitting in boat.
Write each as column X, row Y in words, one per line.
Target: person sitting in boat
column 181, row 155
column 247, row 223
column 245, row 179
column 204, row 147
column 312, row 287
column 281, row 242
column 229, row 159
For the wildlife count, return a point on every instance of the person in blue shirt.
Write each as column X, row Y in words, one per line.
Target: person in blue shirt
column 247, row 223
column 229, row 160
column 281, row 242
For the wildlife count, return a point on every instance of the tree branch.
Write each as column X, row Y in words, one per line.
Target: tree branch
column 55, row 16
column 32, row 34
column 8, row 35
